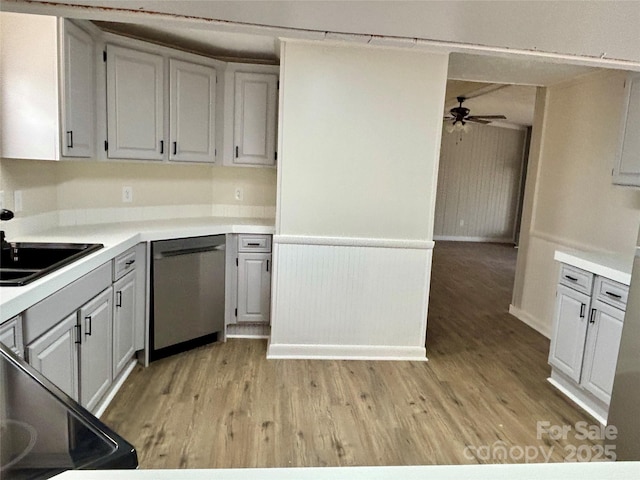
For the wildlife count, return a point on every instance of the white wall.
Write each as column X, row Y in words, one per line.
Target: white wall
column 479, row 183
column 359, row 141
column 359, row 137
column 574, row 202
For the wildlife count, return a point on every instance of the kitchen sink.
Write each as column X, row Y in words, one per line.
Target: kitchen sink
column 22, row 263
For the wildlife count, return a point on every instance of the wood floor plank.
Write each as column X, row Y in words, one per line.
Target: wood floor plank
column 226, row 406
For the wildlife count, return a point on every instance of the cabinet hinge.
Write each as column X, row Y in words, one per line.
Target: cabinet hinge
column 236, row 312
column 104, row 55
column 106, row 146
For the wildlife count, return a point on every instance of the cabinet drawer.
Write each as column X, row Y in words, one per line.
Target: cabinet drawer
column 612, row 293
column 254, row 243
column 576, row 278
column 124, row 263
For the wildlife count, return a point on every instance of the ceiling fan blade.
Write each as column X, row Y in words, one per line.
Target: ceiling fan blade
column 496, row 117
column 476, row 120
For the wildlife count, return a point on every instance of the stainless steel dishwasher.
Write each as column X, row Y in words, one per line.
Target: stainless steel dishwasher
column 188, row 293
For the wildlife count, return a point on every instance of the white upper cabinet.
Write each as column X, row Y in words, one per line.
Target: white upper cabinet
column 47, row 88
column 78, row 93
column 255, row 118
column 135, row 115
column 192, row 99
column 627, row 168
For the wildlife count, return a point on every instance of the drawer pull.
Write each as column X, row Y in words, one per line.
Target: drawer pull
column 614, row 295
column 129, row 263
column 569, row 277
column 253, row 244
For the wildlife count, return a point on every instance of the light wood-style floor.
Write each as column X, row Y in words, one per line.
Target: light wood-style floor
column 226, row 406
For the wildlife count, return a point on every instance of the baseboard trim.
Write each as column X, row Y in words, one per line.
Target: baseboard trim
column 248, row 336
column 353, row 242
column 530, row 320
column 453, row 238
column 577, row 400
column 345, row 352
column 102, row 406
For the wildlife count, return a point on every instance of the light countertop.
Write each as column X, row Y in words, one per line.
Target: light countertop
column 117, row 238
column 526, row 471
column 616, row 267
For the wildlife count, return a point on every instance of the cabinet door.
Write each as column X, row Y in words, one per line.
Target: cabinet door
column 135, row 115
column 192, row 104
column 569, row 331
column 254, row 287
column 601, row 353
column 55, row 355
column 78, row 93
column 627, row 168
column 124, row 304
column 255, row 118
column 95, row 349
column 11, row 335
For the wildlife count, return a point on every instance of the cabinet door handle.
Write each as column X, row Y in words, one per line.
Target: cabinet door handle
column 237, row 150
column 78, row 333
column 267, row 265
column 614, row 295
column 592, row 317
column 69, row 138
column 88, row 332
column 175, row 148
column 161, row 146
column 582, row 307
column 118, row 299
column 569, row 277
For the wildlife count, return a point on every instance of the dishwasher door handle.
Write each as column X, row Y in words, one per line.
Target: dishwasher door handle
column 188, row 251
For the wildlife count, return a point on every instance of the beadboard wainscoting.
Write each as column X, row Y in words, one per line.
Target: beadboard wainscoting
column 349, row 298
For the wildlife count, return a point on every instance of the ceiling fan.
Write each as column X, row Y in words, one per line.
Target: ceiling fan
column 460, row 116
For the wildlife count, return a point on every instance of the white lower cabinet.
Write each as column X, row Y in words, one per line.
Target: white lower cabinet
column 124, row 305
column 254, row 287
column 587, row 329
column 95, row 349
column 569, row 331
column 601, row 352
column 55, row 355
column 11, row 335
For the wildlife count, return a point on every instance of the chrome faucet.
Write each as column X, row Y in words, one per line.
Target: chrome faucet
column 4, row 216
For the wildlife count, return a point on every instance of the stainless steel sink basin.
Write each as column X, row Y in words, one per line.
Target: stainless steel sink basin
column 23, row 263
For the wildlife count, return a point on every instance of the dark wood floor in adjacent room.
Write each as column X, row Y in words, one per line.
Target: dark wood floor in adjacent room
column 226, row 406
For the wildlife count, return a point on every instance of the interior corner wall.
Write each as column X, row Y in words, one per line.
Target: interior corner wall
column 575, row 204
column 359, row 137
column 479, row 184
column 360, row 141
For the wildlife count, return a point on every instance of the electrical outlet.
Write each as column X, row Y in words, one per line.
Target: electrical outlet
column 127, row 194
column 17, row 201
column 239, row 194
